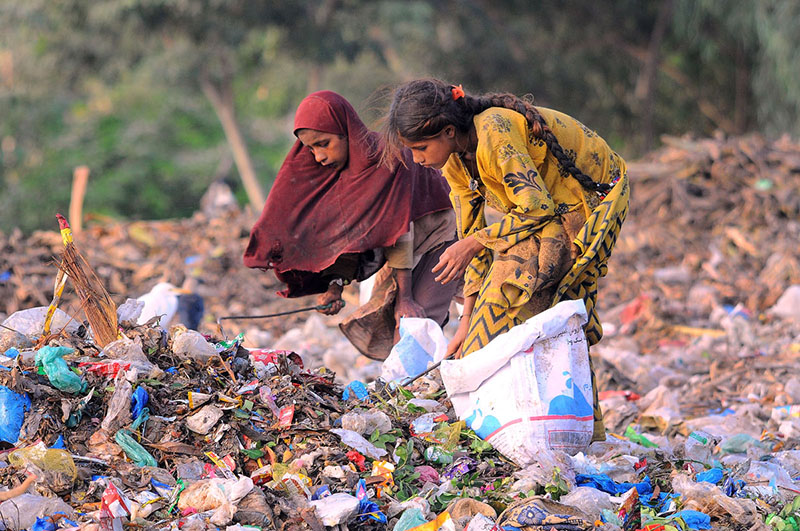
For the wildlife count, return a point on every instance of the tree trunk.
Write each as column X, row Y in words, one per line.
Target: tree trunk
column 222, row 101
column 646, row 89
column 741, row 101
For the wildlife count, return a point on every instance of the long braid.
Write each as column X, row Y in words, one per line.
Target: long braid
column 422, row 108
column 539, row 129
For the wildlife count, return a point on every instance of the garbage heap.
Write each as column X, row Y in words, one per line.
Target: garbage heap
column 177, row 429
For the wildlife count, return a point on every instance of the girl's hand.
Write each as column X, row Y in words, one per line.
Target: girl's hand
column 454, row 347
column 455, row 259
column 333, row 297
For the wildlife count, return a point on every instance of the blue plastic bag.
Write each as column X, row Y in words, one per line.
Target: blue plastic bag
column 606, row 484
column 138, row 401
column 44, row 523
column 356, row 389
column 12, row 413
column 710, row 476
column 694, row 519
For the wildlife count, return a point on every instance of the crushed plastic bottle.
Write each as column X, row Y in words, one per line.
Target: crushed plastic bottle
column 436, row 454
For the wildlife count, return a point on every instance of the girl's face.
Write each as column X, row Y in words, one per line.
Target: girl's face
column 433, row 152
column 328, row 149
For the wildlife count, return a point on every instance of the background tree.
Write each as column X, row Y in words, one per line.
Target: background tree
column 160, row 97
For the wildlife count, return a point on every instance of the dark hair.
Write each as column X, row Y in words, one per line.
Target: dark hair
column 421, row 108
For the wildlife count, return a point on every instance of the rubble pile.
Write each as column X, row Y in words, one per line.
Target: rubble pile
column 169, row 428
column 130, row 258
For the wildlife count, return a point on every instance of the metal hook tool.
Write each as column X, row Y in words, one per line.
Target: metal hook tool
column 269, row 315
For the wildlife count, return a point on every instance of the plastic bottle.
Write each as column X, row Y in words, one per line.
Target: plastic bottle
column 436, row 454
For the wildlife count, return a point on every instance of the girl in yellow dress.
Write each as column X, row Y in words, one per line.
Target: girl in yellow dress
column 561, row 189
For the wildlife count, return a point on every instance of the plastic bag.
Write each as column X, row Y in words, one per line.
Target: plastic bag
column 21, row 512
column 51, row 359
column 422, row 343
column 366, row 422
column 357, row 442
column 589, row 500
column 134, row 450
column 47, row 460
column 205, row 419
column 193, row 345
column 710, row 499
column 128, row 312
column 118, row 413
column 30, row 322
column 530, row 388
column 125, row 350
column 210, row 494
column 113, row 507
column 12, row 413
column 336, row 508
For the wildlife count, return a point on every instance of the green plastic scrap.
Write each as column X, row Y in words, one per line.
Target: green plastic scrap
column 739, row 443
column 788, row 519
column 176, row 495
column 782, row 524
column 227, row 345
column 134, row 450
column 141, row 419
column 638, row 438
column 57, row 370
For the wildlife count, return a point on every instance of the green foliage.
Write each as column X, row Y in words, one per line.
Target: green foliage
column 558, row 487
column 381, row 440
column 118, row 84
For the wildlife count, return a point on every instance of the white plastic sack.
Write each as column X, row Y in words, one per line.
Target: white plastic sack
column 530, row 388
column 422, row 343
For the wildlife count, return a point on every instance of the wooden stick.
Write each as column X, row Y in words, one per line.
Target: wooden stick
column 80, row 178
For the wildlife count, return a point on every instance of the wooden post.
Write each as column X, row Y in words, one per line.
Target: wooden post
column 80, row 178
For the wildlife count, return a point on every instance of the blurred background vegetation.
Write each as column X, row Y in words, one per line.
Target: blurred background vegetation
column 161, row 97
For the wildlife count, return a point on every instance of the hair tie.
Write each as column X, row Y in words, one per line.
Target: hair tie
column 457, row 91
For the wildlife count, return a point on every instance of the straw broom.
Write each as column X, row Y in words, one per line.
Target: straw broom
column 101, row 312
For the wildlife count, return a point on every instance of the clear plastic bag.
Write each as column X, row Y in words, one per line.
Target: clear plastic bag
column 21, row 512
column 366, row 422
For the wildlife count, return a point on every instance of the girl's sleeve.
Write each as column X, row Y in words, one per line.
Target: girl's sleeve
column 469, row 208
column 503, row 156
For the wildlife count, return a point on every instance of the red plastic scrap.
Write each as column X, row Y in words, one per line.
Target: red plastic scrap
column 285, row 417
column 357, row 459
column 630, row 396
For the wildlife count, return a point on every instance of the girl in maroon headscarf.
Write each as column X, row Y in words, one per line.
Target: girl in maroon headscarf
column 335, row 214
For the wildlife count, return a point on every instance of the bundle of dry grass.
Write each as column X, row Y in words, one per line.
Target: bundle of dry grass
column 100, row 310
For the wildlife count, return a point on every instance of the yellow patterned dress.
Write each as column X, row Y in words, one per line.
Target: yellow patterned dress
column 554, row 239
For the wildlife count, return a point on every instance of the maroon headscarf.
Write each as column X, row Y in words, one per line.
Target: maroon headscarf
column 314, row 214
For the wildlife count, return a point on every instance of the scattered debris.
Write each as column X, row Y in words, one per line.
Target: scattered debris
column 285, row 426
